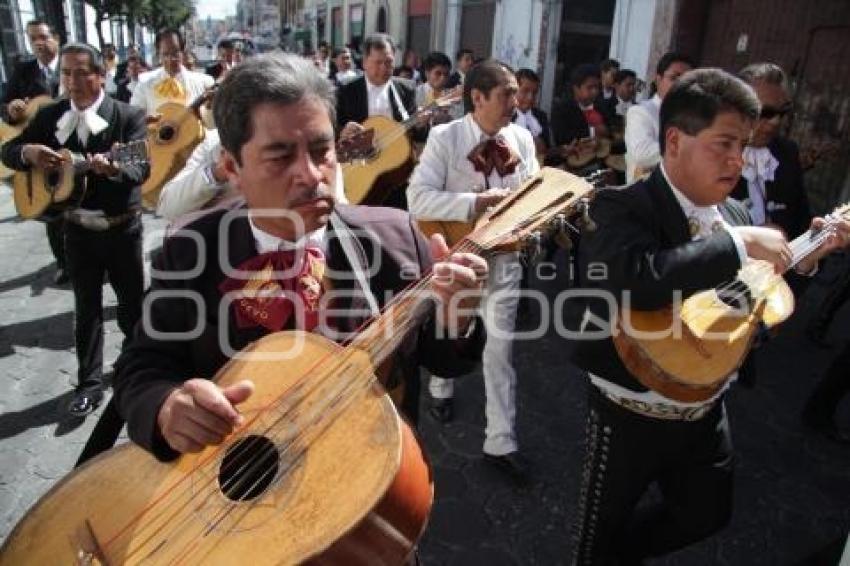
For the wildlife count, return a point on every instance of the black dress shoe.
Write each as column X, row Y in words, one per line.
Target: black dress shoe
column 513, row 464
column 85, row 402
column 61, row 277
column 442, row 410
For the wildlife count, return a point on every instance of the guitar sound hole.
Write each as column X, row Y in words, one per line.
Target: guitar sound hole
column 166, row 133
column 249, row 467
column 53, row 179
column 737, row 296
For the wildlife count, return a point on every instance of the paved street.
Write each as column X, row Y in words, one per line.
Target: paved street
column 792, row 499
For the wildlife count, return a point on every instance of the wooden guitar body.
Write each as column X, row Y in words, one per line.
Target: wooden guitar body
column 35, row 190
column 452, row 230
column 687, row 354
column 369, row 180
column 171, row 141
column 356, row 493
column 9, row 131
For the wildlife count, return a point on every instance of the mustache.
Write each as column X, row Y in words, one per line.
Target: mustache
column 321, row 191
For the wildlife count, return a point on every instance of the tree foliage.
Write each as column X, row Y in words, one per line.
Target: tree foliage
column 155, row 14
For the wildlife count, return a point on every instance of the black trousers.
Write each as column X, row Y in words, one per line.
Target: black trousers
column 832, row 388
column 118, row 253
column 56, row 239
column 627, row 452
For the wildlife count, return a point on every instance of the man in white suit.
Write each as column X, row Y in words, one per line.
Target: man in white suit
column 642, row 148
column 469, row 165
column 171, row 82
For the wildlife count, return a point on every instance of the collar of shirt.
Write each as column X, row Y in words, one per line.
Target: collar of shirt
column 478, row 134
column 688, row 207
column 94, row 107
column 583, row 107
column 53, row 65
column 269, row 242
column 529, row 121
column 377, row 89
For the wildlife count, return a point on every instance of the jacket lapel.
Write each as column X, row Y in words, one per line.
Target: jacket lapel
column 672, row 217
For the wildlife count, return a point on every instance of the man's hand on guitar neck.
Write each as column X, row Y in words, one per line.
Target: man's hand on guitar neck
column 489, row 198
column 200, row 413
column 457, row 283
column 350, row 130
column 41, row 156
column 100, row 165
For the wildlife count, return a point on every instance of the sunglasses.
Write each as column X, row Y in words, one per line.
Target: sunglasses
column 769, row 112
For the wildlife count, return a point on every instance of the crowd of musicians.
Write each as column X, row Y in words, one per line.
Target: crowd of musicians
column 702, row 180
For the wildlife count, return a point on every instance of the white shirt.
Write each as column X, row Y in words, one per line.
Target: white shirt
column 144, row 96
column 759, row 168
column 642, row 149
column 266, row 242
column 623, row 106
column 444, row 185
column 379, row 99
column 85, row 122
column 345, row 77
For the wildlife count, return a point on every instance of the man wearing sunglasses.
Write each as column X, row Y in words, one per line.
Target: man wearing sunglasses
column 772, row 179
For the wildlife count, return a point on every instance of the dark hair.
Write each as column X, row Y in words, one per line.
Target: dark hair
column 528, row 75
column 105, row 45
column 461, row 52
column 609, row 64
column 484, row 76
column 764, row 72
column 225, row 44
column 39, row 23
column 624, row 74
column 377, row 41
column 695, row 100
column 95, row 56
column 673, row 57
column 582, row 73
column 436, row 59
column 277, row 78
column 403, row 69
column 163, row 33
column 340, row 50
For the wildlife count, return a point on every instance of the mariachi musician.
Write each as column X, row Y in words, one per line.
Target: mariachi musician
column 674, row 232
column 482, row 150
column 38, row 77
column 172, row 82
column 378, row 93
column 104, row 235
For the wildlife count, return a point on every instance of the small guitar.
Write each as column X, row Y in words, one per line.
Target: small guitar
column 36, row 189
column 324, row 471
column 9, row 131
column 381, row 156
column 171, row 140
column 687, row 352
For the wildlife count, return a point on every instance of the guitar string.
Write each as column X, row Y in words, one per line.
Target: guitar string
column 807, row 243
column 457, row 249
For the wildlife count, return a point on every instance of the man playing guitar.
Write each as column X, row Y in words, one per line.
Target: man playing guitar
column 675, row 232
column 467, row 166
column 104, row 235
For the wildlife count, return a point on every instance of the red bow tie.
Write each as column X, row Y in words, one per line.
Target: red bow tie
column 494, row 153
column 272, row 286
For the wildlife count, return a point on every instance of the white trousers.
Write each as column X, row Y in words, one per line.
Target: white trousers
column 498, row 309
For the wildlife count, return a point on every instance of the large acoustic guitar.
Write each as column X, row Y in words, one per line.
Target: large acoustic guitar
column 324, row 471
column 686, row 352
column 381, row 157
column 171, row 140
column 9, row 131
column 36, row 190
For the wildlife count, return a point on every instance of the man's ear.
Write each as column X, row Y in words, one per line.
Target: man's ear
column 672, row 142
column 477, row 97
column 231, row 168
